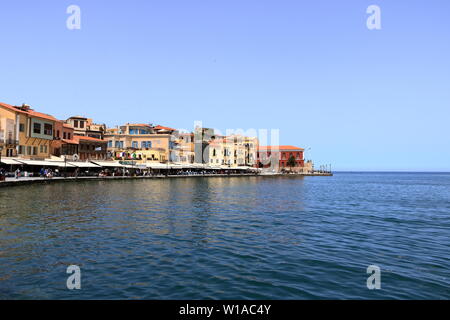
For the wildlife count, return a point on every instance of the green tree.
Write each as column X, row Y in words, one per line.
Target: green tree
column 291, row 162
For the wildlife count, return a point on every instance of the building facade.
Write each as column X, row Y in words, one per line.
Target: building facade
column 9, row 134
column 144, row 139
column 91, row 148
column 186, row 151
column 27, row 131
column 278, row 158
column 64, row 143
column 86, row 127
column 233, row 151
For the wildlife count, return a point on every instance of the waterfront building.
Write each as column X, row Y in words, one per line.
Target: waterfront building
column 186, row 151
column 9, row 135
column 216, row 151
column 63, row 143
column 233, row 151
column 85, row 127
column 27, row 131
column 251, row 150
column 153, row 142
column 91, row 148
column 277, row 158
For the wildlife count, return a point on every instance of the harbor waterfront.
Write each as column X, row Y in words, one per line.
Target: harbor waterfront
column 246, row 237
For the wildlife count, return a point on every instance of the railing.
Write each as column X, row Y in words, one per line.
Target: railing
column 12, row 141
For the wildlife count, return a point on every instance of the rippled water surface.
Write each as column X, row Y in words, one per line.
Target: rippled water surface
column 229, row 238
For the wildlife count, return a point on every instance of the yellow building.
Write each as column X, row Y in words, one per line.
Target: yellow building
column 216, row 151
column 233, row 151
column 157, row 142
column 30, row 134
column 251, row 150
column 186, row 153
column 9, row 135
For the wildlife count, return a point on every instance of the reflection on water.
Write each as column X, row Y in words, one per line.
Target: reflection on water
column 228, row 238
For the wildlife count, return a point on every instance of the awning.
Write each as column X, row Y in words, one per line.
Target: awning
column 84, row 164
column 198, row 165
column 60, row 164
column 157, row 165
column 10, row 161
column 177, row 166
column 109, row 164
column 40, row 163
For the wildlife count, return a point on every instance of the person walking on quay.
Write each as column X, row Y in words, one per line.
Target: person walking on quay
column 2, row 174
column 17, row 173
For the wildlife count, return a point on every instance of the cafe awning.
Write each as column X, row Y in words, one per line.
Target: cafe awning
column 41, row 163
column 157, row 165
column 108, row 164
column 84, row 164
column 10, row 161
column 60, row 164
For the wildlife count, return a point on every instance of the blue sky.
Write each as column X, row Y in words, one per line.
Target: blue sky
column 361, row 99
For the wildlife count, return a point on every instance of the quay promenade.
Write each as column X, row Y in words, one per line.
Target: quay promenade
column 10, row 181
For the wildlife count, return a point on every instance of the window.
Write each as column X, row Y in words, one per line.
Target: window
column 64, row 135
column 68, row 136
column 48, row 129
column 37, row 128
column 81, row 124
column 57, row 133
column 35, row 151
column 134, row 144
column 75, row 123
column 21, row 127
column 146, row 144
column 42, row 149
column 110, row 144
column 21, row 149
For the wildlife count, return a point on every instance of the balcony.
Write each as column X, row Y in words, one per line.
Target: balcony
column 11, row 142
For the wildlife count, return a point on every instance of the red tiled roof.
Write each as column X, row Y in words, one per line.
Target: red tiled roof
column 281, row 148
column 30, row 112
column 70, row 141
column 158, row 127
column 139, row 125
column 12, row 108
column 41, row 115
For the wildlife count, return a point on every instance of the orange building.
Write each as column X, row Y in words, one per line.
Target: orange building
column 63, row 143
column 91, row 148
